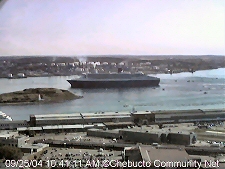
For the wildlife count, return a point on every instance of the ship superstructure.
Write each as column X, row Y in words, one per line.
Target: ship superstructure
column 4, row 117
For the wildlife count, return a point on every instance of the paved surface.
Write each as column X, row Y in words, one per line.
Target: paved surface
column 77, row 157
column 79, row 137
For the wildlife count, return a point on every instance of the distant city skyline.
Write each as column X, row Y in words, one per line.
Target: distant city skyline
column 112, row 27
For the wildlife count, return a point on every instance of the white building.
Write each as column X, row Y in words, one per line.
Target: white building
column 33, row 148
column 10, row 138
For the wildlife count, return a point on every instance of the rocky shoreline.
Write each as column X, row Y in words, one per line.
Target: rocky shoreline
column 37, row 95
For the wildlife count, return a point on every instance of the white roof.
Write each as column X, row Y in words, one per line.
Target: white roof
column 82, row 115
column 39, row 145
column 142, row 112
column 28, row 128
column 96, row 114
column 5, row 133
column 56, row 115
column 72, row 126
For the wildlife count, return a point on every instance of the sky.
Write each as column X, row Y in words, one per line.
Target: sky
column 109, row 27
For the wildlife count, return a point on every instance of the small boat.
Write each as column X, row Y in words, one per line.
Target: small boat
column 10, row 76
column 4, row 117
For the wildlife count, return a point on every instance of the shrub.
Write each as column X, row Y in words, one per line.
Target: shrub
column 10, row 153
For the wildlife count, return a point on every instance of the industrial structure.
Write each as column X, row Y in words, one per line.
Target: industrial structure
column 134, row 135
column 119, row 119
column 178, row 116
column 79, row 118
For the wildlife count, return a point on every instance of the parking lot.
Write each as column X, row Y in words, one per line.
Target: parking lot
column 70, row 157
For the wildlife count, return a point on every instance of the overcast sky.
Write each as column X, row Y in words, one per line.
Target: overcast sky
column 83, row 27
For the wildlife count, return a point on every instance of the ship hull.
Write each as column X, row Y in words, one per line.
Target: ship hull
column 113, row 83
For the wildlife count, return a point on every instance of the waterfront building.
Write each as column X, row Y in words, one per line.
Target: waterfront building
column 33, row 148
column 153, row 156
column 13, row 139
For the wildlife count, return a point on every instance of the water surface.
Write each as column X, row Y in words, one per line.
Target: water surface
column 200, row 90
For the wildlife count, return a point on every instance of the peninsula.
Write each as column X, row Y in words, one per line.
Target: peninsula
column 37, row 95
column 13, row 67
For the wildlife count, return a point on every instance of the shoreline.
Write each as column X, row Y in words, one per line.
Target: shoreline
column 146, row 72
column 36, row 103
column 187, row 71
column 181, row 96
column 37, row 96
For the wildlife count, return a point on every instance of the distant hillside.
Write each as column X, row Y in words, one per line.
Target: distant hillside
column 103, row 58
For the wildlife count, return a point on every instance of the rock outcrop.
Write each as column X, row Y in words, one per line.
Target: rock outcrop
column 37, row 95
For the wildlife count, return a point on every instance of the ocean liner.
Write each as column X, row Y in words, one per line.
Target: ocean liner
column 114, row 80
column 4, row 117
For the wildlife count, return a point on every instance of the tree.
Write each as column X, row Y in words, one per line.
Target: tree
column 10, row 153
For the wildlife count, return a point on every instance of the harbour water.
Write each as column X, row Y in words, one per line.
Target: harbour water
column 200, row 90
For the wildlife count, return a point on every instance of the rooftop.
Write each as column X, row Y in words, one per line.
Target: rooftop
column 77, row 126
column 142, row 112
column 187, row 112
column 29, row 128
column 56, row 115
column 106, row 131
column 81, row 115
column 34, row 146
column 150, row 153
column 13, row 122
column 7, row 134
column 143, row 131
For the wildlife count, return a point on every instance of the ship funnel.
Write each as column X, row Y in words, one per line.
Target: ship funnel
column 120, row 70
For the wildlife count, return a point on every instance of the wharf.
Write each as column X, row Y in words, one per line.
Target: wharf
column 120, row 119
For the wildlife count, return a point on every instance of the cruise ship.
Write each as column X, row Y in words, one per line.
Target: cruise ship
column 4, row 117
column 114, row 80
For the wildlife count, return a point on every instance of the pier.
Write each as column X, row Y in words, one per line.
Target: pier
column 115, row 119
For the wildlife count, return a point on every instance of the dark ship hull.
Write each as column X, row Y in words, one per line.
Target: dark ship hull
column 114, row 80
column 113, row 83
